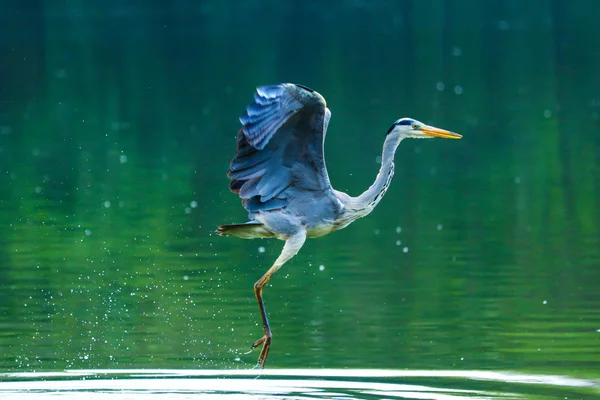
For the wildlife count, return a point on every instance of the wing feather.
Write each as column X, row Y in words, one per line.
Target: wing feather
column 280, row 146
column 263, row 118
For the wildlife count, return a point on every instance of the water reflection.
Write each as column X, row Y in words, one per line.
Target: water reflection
column 144, row 281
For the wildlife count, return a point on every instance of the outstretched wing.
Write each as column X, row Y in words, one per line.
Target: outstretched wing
column 280, row 148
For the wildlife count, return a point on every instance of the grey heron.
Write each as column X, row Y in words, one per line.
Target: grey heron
column 279, row 172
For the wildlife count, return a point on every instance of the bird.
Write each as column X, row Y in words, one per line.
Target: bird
column 279, row 173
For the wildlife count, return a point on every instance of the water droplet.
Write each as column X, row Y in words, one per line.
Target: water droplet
column 547, row 113
column 193, row 204
column 517, row 180
column 439, row 227
column 122, row 158
column 398, row 242
column 458, row 89
column 440, row 86
column 88, row 232
column 106, row 204
column 186, row 278
column 261, row 249
column 405, row 249
column 456, row 51
column 321, row 267
column 398, row 229
column 377, row 231
column 545, row 302
column 503, row 25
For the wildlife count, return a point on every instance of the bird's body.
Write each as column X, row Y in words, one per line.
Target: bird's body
column 279, row 172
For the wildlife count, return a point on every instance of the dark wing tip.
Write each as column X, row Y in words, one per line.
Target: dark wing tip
column 236, row 184
column 305, row 88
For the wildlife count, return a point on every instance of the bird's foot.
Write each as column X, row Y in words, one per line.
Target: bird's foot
column 264, row 352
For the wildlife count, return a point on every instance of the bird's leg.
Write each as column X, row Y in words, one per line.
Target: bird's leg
column 291, row 247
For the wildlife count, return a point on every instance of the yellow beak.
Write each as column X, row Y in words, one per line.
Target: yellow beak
column 433, row 131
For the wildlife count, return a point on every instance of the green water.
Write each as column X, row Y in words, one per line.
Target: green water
column 117, row 124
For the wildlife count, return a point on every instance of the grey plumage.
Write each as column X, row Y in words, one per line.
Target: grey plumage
column 280, row 174
column 282, row 120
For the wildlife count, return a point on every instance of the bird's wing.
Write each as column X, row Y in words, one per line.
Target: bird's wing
column 280, row 147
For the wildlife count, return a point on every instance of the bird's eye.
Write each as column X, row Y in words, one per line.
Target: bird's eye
column 415, row 126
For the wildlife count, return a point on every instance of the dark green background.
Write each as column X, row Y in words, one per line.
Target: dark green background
column 117, row 124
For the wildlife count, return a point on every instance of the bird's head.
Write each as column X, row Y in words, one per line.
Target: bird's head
column 411, row 128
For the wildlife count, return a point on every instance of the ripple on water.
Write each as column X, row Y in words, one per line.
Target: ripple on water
column 291, row 384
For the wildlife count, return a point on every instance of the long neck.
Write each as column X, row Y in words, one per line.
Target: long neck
column 365, row 203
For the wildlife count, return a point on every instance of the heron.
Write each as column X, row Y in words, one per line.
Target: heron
column 279, row 173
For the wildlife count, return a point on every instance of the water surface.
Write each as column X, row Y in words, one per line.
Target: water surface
column 294, row 384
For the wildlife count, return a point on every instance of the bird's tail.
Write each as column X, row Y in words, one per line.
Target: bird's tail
column 249, row 230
